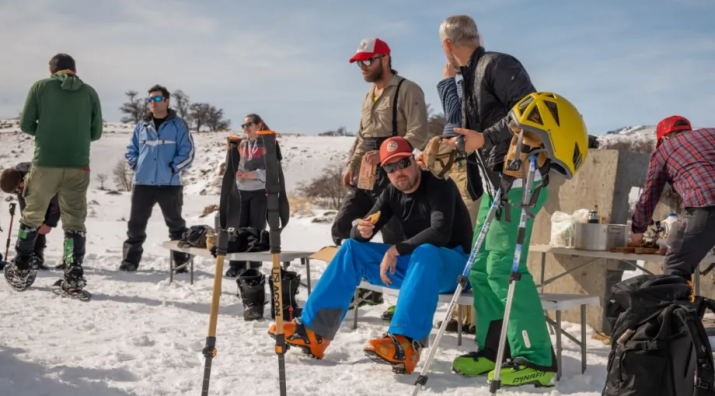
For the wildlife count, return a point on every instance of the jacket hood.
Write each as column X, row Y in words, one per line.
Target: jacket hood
column 69, row 82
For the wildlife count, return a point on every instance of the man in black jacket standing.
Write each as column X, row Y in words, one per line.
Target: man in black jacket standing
column 493, row 84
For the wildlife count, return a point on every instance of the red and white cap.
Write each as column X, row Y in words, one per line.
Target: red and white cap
column 369, row 47
column 669, row 125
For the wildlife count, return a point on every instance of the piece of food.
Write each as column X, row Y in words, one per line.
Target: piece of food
column 374, row 217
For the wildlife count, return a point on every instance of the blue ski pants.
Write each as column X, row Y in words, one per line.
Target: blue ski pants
column 420, row 277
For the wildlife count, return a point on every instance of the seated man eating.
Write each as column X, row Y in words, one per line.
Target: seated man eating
column 436, row 224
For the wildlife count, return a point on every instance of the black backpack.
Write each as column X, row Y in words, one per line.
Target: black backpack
column 659, row 345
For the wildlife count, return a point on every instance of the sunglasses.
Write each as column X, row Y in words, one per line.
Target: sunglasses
column 402, row 164
column 155, row 99
column 369, row 62
column 248, row 124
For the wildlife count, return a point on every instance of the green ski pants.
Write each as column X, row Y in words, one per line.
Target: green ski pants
column 527, row 334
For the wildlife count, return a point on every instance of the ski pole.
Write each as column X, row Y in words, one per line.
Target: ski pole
column 9, row 231
column 461, row 284
column 227, row 185
column 515, row 274
column 273, row 190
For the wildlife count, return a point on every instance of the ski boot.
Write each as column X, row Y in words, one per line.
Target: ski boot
column 74, row 282
column 181, row 258
column 388, row 314
column 290, row 285
column 473, row 364
column 514, row 374
column 398, row 351
column 296, row 334
column 38, row 256
column 252, row 291
column 20, row 274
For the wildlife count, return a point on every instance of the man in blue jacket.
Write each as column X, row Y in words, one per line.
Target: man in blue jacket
column 161, row 148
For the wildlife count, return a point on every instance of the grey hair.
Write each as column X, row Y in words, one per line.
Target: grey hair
column 460, row 30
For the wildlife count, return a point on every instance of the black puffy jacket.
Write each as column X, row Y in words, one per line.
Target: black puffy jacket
column 493, row 84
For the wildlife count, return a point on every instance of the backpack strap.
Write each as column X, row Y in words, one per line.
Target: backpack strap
column 704, row 385
column 394, row 108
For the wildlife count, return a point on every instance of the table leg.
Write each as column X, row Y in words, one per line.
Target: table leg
column 558, row 344
column 543, row 271
column 583, row 339
column 307, row 273
column 696, row 280
column 191, row 269
column 459, row 325
column 356, row 311
column 171, row 266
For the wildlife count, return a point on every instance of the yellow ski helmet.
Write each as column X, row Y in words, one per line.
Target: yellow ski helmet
column 551, row 121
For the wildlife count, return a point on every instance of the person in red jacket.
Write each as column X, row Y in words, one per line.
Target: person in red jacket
column 685, row 159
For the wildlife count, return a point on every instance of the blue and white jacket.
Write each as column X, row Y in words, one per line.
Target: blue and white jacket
column 159, row 157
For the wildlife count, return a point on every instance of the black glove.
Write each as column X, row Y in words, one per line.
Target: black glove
column 172, row 168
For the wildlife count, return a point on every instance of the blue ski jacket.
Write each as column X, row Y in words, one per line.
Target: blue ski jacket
column 159, row 157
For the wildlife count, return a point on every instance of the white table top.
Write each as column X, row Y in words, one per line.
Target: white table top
column 709, row 259
column 288, row 255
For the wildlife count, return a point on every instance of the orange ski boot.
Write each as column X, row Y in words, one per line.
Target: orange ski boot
column 396, row 351
column 298, row 335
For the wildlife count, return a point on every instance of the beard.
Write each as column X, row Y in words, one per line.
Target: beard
column 374, row 75
column 404, row 183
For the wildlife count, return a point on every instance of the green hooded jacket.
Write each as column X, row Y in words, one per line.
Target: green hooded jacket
column 64, row 115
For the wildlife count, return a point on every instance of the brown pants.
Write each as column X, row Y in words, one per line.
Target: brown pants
column 69, row 184
column 458, row 174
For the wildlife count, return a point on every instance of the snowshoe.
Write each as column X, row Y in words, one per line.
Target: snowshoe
column 397, row 351
column 63, row 289
column 366, row 297
column 388, row 314
column 252, row 291
column 296, row 334
column 513, row 374
column 18, row 278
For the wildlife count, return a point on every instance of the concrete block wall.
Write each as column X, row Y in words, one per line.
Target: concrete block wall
column 605, row 180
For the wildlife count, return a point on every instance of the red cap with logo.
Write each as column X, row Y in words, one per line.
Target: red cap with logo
column 394, row 148
column 369, row 47
column 671, row 124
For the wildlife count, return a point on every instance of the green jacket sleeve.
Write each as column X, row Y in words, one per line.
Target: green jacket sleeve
column 96, row 128
column 28, row 118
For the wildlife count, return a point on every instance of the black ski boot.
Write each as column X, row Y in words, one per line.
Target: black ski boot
column 74, row 282
column 20, row 273
column 290, row 285
column 252, row 291
column 38, row 256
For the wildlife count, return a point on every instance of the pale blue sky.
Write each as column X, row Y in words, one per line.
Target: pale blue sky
column 620, row 62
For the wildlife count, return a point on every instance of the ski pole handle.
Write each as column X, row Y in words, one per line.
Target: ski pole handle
column 12, row 208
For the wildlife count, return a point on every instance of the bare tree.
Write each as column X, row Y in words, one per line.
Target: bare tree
column 215, row 120
column 123, row 175
column 326, row 189
column 101, row 178
column 199, row 114
column 134, row 108
column 181, row 105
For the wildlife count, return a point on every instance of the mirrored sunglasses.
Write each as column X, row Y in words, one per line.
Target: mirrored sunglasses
column 155, row 99
column 402, row 164
column 368, row 62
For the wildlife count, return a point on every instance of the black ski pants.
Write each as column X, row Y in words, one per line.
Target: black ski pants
column 254, row 206
column 690, row 242
column 171, row 201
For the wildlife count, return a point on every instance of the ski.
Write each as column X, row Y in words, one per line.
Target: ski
column 82, row 295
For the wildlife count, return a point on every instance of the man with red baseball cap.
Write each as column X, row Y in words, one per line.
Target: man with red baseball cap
column 393, row 106
column 685, row 159
column 421, row 265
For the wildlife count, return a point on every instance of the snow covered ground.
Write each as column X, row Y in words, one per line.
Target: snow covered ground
column 141, row 335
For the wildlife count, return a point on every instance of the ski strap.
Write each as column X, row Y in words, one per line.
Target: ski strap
column 278, row 212
column 230, row 201
column 704, row 385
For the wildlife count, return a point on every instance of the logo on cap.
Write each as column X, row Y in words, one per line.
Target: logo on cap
column 391, row 146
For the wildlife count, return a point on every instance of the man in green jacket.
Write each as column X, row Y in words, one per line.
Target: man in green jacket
column 64, row 115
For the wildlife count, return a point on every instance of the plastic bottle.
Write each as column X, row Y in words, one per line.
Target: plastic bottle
column 668, row 222
column 593, row 216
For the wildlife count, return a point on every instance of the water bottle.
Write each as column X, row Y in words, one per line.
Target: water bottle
column 593, row 216
column 668, row 222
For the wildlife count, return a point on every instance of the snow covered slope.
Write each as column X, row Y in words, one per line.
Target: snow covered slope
column 141, row 335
